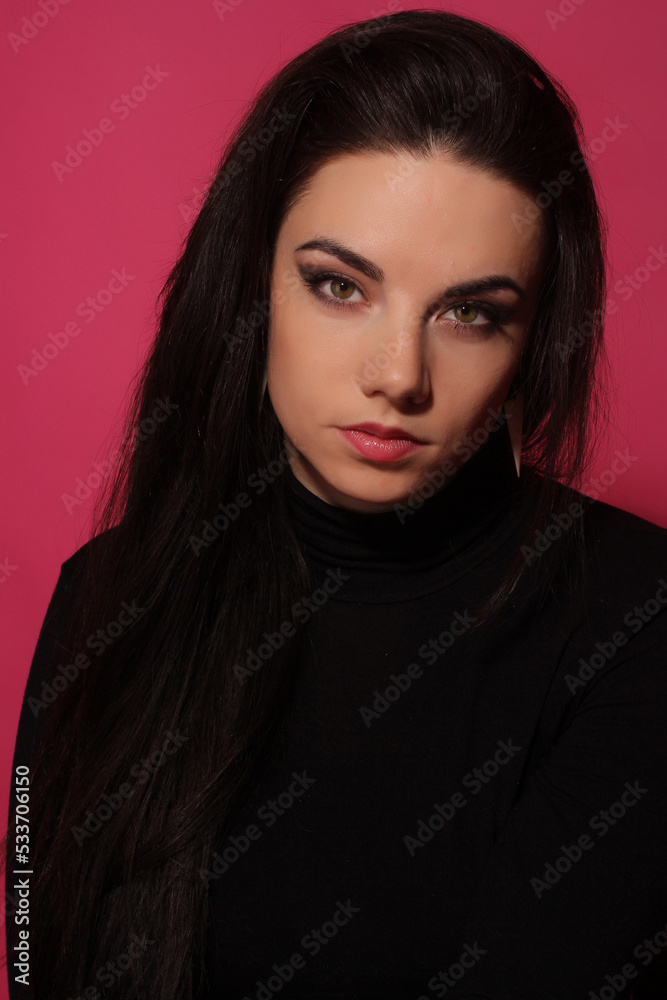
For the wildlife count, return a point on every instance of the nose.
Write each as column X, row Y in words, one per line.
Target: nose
column 396, row 365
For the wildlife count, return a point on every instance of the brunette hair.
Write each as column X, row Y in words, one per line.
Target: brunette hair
column 414, row 81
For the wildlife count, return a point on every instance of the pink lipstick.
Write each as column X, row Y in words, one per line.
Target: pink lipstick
column 380, row 443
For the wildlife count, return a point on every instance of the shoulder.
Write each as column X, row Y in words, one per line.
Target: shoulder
column 625, row 598
column 620, row 526
column 92, row 549
column 93, row 546
column 611, row 565
column 622, row 551
column 71, row 577
column 627, row 551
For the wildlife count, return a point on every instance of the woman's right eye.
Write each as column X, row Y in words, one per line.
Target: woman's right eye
column 343, row 288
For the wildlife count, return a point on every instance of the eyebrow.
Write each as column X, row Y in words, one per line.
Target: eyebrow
column 487, row 283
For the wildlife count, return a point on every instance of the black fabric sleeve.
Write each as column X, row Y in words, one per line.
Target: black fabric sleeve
column 573, row 898
column 46, row 659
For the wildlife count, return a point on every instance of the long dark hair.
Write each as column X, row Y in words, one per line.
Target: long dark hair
column 412, row 81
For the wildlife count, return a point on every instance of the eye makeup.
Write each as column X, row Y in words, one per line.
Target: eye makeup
column 496, row 314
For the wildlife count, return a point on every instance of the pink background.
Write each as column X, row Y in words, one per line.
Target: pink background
column 128, row 203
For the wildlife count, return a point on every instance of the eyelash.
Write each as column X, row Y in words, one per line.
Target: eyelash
column 494, row 318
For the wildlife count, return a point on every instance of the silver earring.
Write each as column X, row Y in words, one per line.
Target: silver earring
column 514, row 414
column 263, row 391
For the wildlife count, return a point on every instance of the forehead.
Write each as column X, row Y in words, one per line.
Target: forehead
column 408, row 212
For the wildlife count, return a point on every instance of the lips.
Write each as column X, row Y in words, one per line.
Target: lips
column 384, row 431
column 371, row 445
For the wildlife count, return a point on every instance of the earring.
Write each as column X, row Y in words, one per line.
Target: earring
column 263, row 390
column 514, row 415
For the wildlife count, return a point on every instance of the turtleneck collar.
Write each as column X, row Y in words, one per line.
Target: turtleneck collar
column 402, row 554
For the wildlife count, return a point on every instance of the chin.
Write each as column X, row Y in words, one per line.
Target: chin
column 367, row 486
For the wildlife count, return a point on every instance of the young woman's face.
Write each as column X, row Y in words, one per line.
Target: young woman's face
column 413, row 319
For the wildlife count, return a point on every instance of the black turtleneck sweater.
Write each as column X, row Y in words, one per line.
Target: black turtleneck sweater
column 478, row 814
column 457, row 813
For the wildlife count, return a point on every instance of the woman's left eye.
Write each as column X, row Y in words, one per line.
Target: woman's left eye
column 467, row 313
column 482, row 318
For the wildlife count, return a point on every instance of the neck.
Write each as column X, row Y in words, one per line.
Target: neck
column 407, row 548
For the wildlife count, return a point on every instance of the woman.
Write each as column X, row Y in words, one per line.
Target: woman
column 349, row 696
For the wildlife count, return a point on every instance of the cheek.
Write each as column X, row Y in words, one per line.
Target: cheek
column 302, row 358
column 297, row 372
column 285, row 354
column 472, row 372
